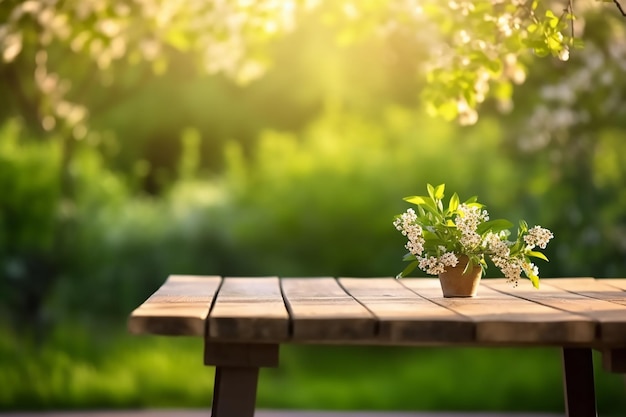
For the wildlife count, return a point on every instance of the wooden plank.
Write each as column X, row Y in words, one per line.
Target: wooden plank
column 589, row 287
column 179, row 307
column 505, row 319
column 615, row 282
column 322, row 311
column 609, row 317
column 405, row 317
column 249, row 309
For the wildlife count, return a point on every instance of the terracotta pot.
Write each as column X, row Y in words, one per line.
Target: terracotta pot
column 456, row 284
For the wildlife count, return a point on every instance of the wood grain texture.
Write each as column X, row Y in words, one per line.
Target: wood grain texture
column 502, row 318
column 249, row 309
column 615, row 282
column 386, row 311
column 589, row 287
column 179, row 307
column 322, row 311
column 405, row 317
column 606, row 317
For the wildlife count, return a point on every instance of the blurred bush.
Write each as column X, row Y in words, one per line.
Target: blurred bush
column 322, row 203
column 30, row 206
column 316, row 203
column 299, row 173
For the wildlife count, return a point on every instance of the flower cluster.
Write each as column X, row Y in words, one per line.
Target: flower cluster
column 467, row 222
column 437, row 237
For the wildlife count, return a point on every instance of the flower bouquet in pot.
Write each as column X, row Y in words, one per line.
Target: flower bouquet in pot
column 454, row 241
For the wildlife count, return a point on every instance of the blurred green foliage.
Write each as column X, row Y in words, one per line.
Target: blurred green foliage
column 80, row 369
column 30, row 191
column 29, row 220
column 297, row 173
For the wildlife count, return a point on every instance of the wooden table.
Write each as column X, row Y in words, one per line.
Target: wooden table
column 245, row 320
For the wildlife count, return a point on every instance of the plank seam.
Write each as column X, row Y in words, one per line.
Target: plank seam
column 377, row 319
column 597, row 324
column 213, row 301
column 612, row 285
column 290, row 325
column 544, row 303
column 434, row 302
column 586, row 294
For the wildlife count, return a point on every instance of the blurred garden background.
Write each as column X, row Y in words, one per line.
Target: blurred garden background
column 147, row 138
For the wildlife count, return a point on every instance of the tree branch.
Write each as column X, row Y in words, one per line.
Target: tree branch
column 570, row 6
column 620, row 8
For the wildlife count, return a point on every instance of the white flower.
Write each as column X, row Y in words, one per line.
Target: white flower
column 470, row 217
column 431, row 265
column 470, row 240
column 530, row 269
column 437, row 236
column 467, row 222
column 416, row 247
column 511, row 268
column 538, row 236
column 405, row 221
column 449, row 259
column 493, row 242
column 436, row 265
column 406, row 225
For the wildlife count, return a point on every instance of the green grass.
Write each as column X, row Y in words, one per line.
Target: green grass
column 76, row 369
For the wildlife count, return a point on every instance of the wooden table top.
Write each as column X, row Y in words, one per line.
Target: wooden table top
column 385, row 311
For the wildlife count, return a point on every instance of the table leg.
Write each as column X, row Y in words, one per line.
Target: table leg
column 236, row 375
column 234, row 393
column 614, row 360
column 579, row 389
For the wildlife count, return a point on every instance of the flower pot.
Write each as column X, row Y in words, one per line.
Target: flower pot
column 456, row 284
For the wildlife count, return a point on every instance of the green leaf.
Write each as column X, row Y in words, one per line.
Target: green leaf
column 535, row 280
column 417, row 199
column 430, row 237
column 431, row 208
column 516, row 247
column 454, row 203
column 554, row 42
column 431, row 191
column 439, row 191
column 408, row 257
column 178, row 39
column 448, row 110
column 523, row 226
column 410, row 268
column 494, row 65
column 537, row 254
column 503, row 90
column 495, row 226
